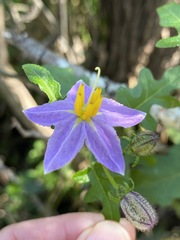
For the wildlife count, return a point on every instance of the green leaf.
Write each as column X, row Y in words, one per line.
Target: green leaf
column 169, row 15
column 160, row 183
column 100, row 190
column 66, row 77
column 150, row 91
column 82, row 176
column 168, row 42
column 41, row 76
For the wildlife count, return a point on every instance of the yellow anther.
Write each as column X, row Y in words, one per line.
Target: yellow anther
column 86, row 112
column 97, row 106
column 79, row 102
column 96, row 94
column 92, row 108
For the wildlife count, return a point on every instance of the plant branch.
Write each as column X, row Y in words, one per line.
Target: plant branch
column 39, row 54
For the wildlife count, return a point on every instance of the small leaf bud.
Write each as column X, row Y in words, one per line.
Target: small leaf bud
column 138, row 211
column 145, row 143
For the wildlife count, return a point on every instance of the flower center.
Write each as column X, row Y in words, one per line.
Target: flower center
column 89, row 110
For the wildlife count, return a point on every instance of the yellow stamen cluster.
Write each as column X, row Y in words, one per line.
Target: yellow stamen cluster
column 89, row 110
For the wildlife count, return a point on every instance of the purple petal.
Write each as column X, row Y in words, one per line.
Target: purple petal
column 50, row 113
column 116, row 114
column 63, row 145
column 105, row 145
column 71, row 95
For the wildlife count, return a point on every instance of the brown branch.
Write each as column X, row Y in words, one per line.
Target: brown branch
column 6, row 174
column 38, row 53
column 13, row 90
column 30, row 133
column 18, row 97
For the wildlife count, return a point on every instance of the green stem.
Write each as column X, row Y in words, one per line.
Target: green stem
column 111, row 180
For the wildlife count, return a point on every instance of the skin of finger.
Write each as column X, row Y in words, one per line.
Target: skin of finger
column 64, row 227
column 129, row 227
column 106, row 230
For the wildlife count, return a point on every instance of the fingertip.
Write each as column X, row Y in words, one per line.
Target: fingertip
column 129, row 228
column 106, row 230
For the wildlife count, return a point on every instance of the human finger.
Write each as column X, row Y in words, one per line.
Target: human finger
column 106, row 230
column 64, row 227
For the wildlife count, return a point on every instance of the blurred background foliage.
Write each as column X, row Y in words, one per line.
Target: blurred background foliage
column 119, row 37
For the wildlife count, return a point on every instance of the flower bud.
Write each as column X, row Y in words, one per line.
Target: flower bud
column 145, row 143
column 138, row 211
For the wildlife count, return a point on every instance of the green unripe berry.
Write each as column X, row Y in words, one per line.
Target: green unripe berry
column 145, row 143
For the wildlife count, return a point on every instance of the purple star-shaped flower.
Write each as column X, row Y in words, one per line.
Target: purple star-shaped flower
column 84, row 117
